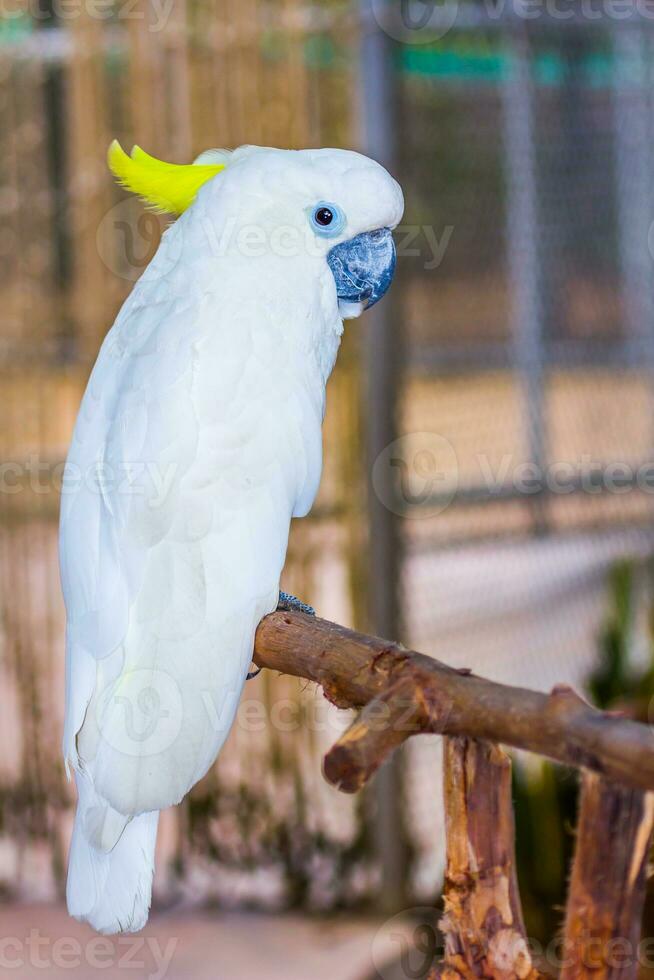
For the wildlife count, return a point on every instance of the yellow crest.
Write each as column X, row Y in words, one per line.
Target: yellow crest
column 164, row 187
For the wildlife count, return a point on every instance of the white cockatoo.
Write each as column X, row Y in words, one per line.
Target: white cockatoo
column 198, row 439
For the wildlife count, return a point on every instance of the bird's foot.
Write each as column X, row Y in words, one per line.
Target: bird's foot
column 288, row 603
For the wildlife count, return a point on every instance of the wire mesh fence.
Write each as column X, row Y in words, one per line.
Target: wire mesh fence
column 522, row 467
column 525, row 457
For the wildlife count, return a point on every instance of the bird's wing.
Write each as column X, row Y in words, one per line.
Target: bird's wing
column 116, row 459
column 202, row 440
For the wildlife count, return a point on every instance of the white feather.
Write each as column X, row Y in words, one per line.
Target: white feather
column 208, row 395
column 110, row 889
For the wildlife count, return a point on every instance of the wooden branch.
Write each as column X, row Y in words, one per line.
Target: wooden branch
column 354, row 669
column 607, row 887
column 482, row 926
column 383, row 724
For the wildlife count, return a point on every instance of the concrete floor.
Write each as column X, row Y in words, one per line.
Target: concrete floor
column 41, row 940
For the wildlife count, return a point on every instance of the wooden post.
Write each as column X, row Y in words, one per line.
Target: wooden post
column 482, row 926
column 607, row 887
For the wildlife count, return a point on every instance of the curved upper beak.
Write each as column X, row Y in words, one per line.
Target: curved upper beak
column 363, row 270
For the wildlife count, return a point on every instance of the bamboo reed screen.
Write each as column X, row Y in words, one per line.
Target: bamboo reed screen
column 216, row 73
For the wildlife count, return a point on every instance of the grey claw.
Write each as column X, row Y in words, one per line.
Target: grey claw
column 289, row 603
column 253, row 673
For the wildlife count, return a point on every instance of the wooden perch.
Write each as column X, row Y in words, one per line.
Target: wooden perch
column 402, row 693
column 482, row 925
column 607, row 887
column 412, row 693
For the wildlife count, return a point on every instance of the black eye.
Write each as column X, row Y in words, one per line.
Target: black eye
column 327, row 219
column 324, row 217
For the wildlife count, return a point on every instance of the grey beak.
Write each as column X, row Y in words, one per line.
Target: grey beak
column 363, row 267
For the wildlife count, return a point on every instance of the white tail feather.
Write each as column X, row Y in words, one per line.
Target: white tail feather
column 110, row 889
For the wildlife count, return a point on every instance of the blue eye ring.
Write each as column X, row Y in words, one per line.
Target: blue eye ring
column 327, row 220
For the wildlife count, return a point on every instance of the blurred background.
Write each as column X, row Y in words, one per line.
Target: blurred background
column 488, row 493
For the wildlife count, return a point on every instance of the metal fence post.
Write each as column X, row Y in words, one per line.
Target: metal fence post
column 633, row 161
column 378, row 123
column 525, row 272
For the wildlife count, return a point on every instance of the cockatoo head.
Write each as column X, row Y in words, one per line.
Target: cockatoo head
column 315, row 206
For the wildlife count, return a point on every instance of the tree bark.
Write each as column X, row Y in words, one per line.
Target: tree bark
column 607, row 887
column 482, row 925
column 413, row 693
